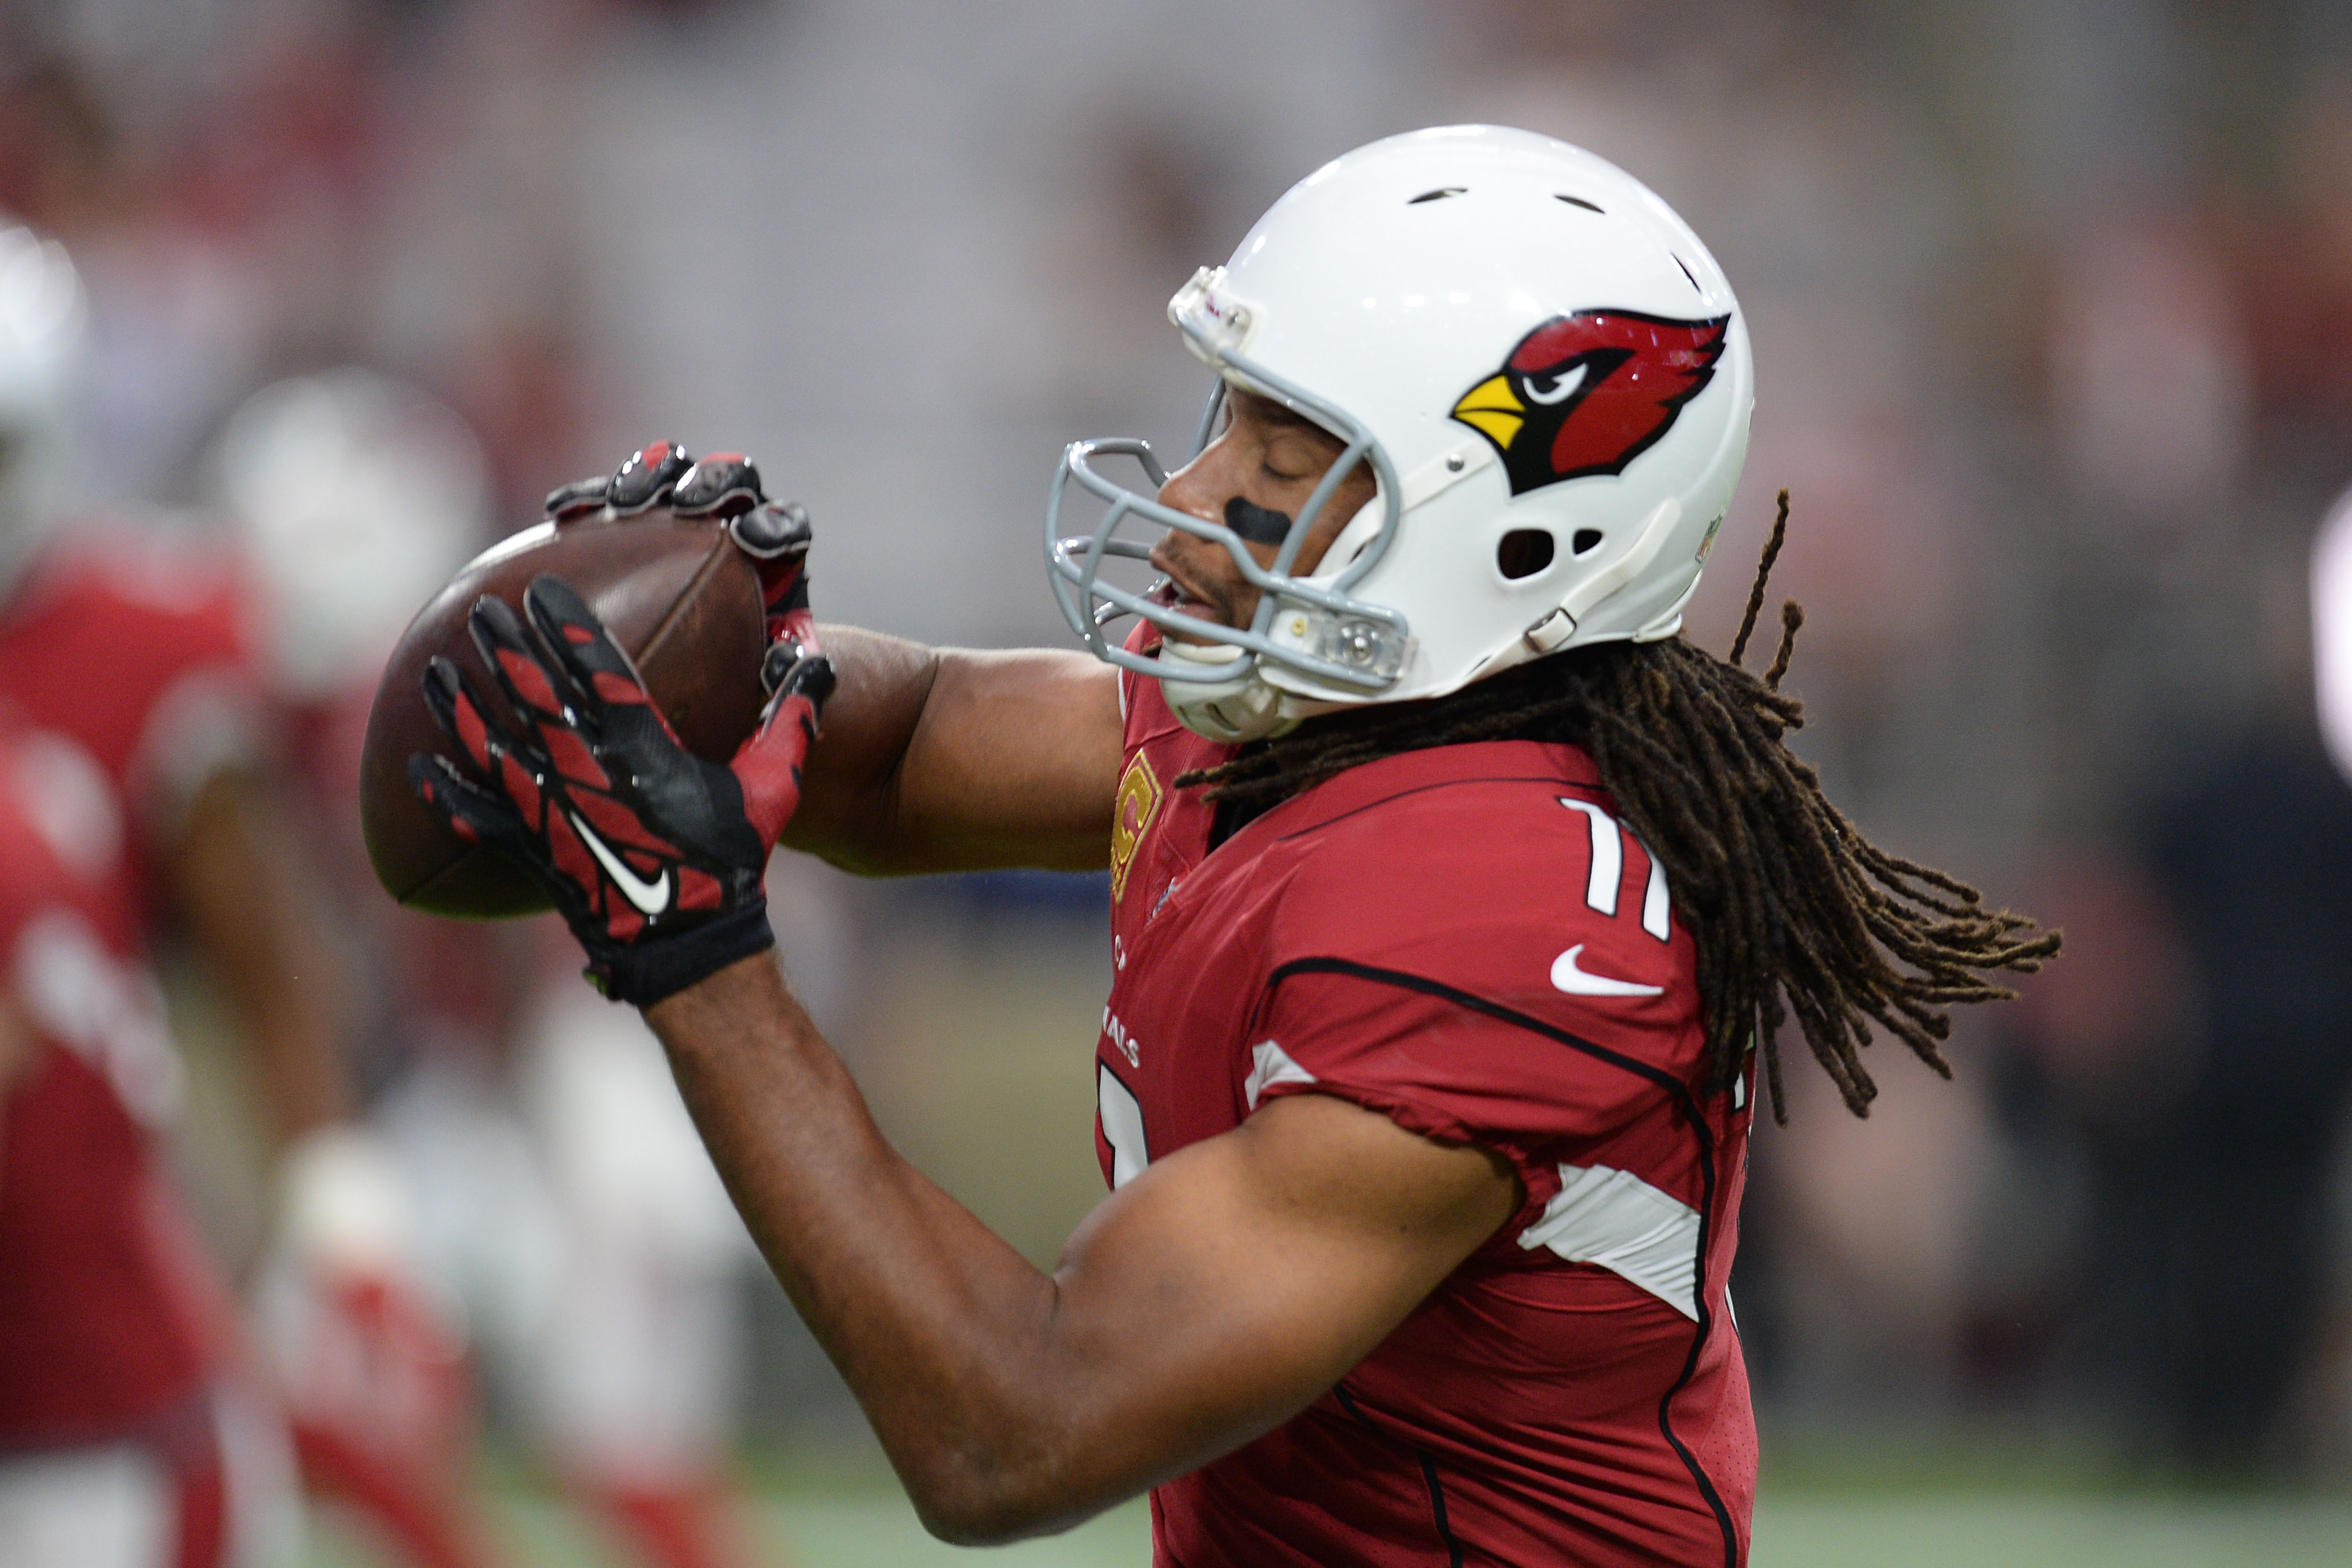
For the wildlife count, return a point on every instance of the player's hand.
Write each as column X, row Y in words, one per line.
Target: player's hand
column 726, row 485
column 654, row 856
column 776, row 534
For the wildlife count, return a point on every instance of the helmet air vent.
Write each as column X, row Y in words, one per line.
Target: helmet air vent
column 1523, row 552
column 1578, row 202
column 1687, row 273
column 1439, row 194
column 1586, row 541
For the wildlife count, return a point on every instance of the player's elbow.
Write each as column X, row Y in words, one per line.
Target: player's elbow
column 975, row 1521
column 994, row 1504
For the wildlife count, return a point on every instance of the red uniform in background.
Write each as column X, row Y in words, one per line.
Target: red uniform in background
column 138, row 650
column 120, row 1442
column 130, row 659
column 125, row 665
column 1467, row 941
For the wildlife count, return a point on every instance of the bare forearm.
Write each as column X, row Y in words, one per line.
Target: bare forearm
column 851, row 782
column 955, row 759
column 1207, row 1301
column 941, row 1328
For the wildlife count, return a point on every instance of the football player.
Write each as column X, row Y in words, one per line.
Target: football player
column 125, row 656
column 1454, row 897
column 120, row 1450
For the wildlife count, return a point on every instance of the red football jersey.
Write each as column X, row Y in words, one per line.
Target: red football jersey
column 94, row 1338
column 137, row 648
column 130, row 659
column 1466, row 939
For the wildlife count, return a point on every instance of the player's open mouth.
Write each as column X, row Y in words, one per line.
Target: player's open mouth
column 1179, row 597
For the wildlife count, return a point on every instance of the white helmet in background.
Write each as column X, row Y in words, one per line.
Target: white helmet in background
column 1544, row 369
column 357, row 497
column 43, row 348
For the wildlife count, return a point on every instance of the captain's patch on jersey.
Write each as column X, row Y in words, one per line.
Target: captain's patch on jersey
column 1139, row 800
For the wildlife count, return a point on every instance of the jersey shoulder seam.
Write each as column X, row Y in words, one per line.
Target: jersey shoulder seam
column 1406, row 980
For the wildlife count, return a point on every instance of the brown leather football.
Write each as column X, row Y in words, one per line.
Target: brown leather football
column 676, row 595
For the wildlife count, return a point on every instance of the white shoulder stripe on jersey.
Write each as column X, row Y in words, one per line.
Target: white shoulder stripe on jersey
column 1271, row 1065
column 1615, row 1219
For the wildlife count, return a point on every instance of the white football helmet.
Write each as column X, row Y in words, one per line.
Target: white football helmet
column 357, row 497
column 1549, row 377
column 44, row 350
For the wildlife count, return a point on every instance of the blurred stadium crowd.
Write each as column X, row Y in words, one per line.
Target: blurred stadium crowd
column 2052, row 301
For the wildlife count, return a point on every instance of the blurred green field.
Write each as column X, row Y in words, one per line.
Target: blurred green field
column 876, row 1530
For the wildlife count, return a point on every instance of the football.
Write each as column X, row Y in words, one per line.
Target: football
column 681, row 600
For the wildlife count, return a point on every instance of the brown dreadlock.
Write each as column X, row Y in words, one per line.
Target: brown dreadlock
column 1794, row 912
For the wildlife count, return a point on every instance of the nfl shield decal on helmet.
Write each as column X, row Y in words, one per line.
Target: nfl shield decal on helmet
column 1587, row 394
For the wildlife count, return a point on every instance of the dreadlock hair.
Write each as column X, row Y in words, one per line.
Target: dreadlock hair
column 1793, row 911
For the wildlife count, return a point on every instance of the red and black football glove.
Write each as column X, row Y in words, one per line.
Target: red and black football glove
column 654, row 855
column 726, row 485
column 776, row 534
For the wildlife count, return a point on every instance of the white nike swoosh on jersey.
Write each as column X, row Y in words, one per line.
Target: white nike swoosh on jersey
column 1567, row 977
column 652, row 897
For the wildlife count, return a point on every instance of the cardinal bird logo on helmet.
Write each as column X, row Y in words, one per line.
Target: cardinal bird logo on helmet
column 1587, row 394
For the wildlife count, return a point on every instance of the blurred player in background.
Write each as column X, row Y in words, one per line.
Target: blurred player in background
column 125, row 659
column 126, row 1444
column 558, row 1188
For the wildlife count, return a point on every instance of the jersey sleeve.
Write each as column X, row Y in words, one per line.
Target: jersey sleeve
column 159, row 634
column 1440, row 1066
column 1449, row 961
column 205, row 714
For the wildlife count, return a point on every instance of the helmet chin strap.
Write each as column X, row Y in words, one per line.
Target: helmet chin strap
column 1247, row 707
column 1236, row 708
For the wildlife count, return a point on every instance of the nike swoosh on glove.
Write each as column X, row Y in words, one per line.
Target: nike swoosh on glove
column 653, row 855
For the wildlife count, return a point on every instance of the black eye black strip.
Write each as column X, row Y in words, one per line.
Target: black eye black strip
column 1258, row 525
